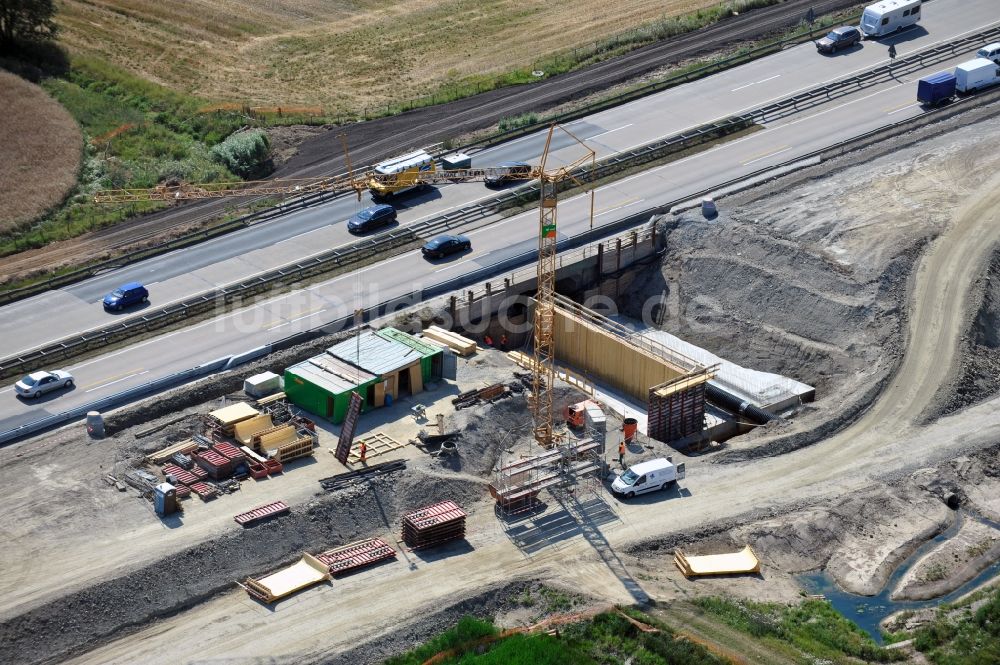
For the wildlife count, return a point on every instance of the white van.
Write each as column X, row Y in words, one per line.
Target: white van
column 889, row 16
column 656, row 474
column 990, row 52
column 976, row 74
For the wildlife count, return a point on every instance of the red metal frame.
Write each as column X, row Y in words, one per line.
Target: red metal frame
column 356, row 555
column 261, row 512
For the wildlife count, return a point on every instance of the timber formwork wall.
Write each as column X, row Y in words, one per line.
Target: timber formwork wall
column 609, row 359
column 677, row 409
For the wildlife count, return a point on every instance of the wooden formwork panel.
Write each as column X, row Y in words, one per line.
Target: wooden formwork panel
column 375, row 444
column 675, row 414
column 244, row 431
column 608, row 358
column 291, row 451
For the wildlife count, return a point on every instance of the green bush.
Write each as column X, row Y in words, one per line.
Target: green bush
column 246, row 154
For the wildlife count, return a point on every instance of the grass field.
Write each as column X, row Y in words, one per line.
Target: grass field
column 42, row 149
column 343, row 56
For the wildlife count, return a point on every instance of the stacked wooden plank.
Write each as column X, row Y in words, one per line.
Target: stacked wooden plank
column 356, row 555
column 227, row 417
column 259, row 513
column 434, row 525
column 463, row 346
column 185, row 447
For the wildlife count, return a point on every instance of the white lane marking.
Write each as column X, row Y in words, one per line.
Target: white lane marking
column 297, row 236
column 607, row 132
column 769, row 78
column 770, row 154
column 454, row 265
column 291, row 321
column 111, row 383
column 909, row 106
column 624, row 205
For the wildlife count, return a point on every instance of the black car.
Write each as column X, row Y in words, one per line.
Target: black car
column 508, row 172
column 445, row 245
column 372, row 217
column 839, row 38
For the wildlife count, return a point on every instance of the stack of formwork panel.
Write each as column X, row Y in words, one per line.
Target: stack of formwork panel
column 182, row 476
column 268, row 510
column 215, row 465
column 677, row 408
column 434, row 525
column 230, row 452
column 356, row 555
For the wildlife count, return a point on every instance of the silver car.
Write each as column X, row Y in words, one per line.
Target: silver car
column 39, row 383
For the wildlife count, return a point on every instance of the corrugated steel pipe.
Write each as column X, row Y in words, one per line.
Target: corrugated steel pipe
column 731, row 402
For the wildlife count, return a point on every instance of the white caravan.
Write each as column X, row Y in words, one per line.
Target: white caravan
column 889, row 16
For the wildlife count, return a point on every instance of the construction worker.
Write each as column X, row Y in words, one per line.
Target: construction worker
column 363, row 452
column 621, row 453
column 487, row 340
column 503, row 341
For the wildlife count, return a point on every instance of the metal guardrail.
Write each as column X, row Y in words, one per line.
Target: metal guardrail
column 578, row 243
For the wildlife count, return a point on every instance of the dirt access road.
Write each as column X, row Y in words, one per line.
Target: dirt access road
column 888, row 440
column 374, row 140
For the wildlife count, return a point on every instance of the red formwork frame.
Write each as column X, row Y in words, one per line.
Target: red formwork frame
column 356, row 555
column 261, row 512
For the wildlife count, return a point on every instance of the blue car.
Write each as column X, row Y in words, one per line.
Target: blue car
column 126, row 295
column 372, row 217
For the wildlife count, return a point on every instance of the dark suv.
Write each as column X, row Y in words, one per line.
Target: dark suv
column 839, row 38
column 126, row 295
column 372, row 217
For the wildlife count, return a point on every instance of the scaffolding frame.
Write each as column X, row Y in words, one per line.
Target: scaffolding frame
column 516, row 486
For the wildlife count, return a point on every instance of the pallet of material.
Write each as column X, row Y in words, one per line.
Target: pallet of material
column 356, row 555
column 273, row 467
column 434, row 525
column 271, row 399
column 180, row 475
column 204, row 491
column 217, row 466
column 245, row 430
column 161, row 456
column 463, row 346
column 267, row 511
column 731, row 563
column 227, row 417
column 279, row 584
column 230, row 452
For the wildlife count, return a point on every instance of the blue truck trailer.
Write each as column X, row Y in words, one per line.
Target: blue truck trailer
column 936, row 88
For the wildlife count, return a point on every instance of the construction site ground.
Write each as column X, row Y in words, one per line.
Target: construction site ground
column 866, row 276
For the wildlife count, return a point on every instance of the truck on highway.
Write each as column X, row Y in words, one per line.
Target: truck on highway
column 656, row 474
column 889, row 16
column 936, row 89
column 975, row 75
column 399, row 174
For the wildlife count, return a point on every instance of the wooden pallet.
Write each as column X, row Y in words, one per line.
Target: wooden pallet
column 377, row 444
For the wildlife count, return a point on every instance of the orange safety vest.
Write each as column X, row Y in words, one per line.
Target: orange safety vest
column 621, row 448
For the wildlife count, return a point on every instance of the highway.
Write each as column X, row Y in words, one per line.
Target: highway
column 29, row 323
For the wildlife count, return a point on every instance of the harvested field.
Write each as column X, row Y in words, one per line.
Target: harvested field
column 42, row 148
column 342, row 55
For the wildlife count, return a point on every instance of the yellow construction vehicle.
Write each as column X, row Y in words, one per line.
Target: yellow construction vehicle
column 417, row 169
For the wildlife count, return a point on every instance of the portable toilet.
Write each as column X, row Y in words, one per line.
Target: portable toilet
column 165, row 499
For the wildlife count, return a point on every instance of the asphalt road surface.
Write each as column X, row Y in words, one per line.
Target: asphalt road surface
column 31, row 323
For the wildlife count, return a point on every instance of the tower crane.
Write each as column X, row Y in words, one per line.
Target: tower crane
column 550, row 179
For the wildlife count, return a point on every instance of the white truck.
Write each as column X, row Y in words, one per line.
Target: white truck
column 975, row 75
column 656, row 474
column 888, row 16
